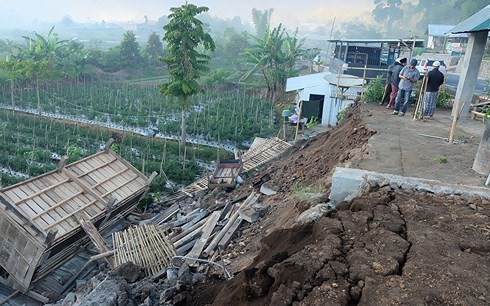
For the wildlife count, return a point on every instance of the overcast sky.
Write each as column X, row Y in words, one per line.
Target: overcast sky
column 19, row 13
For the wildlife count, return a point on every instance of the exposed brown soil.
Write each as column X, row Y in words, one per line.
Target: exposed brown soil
column 385, row 248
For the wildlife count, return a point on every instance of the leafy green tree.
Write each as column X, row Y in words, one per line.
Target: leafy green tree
column 42, row 59
column 273, row 57
column 130, row 50
column 387, row 11
column 445, row 12
column 184, row 35
column 13, row 70
column 261, row 21
column 154, row 48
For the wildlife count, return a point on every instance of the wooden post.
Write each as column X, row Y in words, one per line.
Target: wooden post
column 94, row 236
column 338, row 81
column 299, row 120
column 62, row 163
column 151, row 178
column 108, row 145
column 455, row 119
column 206, row 233
column 363, row 81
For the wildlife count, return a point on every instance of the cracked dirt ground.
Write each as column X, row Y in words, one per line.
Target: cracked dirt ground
column 385, row 248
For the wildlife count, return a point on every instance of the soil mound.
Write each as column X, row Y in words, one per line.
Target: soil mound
column 313, row 160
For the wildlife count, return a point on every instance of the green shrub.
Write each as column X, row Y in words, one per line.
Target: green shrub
column 444, row 99
column 374, row 90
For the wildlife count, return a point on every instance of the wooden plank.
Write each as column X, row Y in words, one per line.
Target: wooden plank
column 41, row 191
column 206, row 233
column 58, row 204
column 90, row 180
column 229, row 233
column 84, row 186
column 119, row 187
column 94, row 236
column 98, row 167
column 66, row 217
column 190, row 230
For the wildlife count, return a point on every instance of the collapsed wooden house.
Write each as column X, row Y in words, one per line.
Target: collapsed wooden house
column 39, row 218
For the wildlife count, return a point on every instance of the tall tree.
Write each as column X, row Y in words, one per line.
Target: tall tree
column 387, row 11
column 130, row 50
column 274, row 56
column 184, row 36
column 154, row 47
column 261, row 21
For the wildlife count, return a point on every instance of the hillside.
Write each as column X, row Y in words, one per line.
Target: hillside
column 391, row 246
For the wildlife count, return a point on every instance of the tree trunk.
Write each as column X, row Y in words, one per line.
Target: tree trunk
column 482, row 159
column 38, row 97
column 184, row 124
column 12, row 95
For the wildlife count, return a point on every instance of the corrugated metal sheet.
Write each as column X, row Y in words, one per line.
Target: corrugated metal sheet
column 438, row 30
column 478, row 22
column 376, row 41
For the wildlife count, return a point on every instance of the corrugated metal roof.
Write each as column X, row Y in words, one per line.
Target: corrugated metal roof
column 391, row 41
column 441, row 30
column 476, row 23
column 438, row 30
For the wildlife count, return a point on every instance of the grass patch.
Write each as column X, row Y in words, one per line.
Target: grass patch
column 442, row 159
column 304, row 193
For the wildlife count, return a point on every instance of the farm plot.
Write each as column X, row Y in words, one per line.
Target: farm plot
column 30, row 146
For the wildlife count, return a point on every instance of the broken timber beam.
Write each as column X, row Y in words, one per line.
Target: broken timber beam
column 191, row 235
column 229, row 233
column 206, row 233
column 102, row 255
column 94, row 236
column 190, row 230
column 223, row 231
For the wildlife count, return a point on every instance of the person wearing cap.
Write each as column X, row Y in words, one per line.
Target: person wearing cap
column 409, row 75
column 395, row 79
column 435, row 79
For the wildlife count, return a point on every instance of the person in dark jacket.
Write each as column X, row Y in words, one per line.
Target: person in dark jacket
column 395, row 79
column 435, row 79
column 387, row 93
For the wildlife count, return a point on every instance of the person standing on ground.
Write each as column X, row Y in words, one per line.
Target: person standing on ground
column 409, row 75
column 395, row 79
column 387, row 93
column 435, row 79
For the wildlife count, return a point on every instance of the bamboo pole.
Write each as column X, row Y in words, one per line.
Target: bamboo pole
column 338, row 81
column 420, row 99
column 455, row 119
column 363, row 80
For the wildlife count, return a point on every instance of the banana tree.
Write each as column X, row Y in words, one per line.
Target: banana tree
column 42, row 59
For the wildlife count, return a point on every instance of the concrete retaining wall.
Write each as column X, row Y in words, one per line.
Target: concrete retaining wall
column 348, row 183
